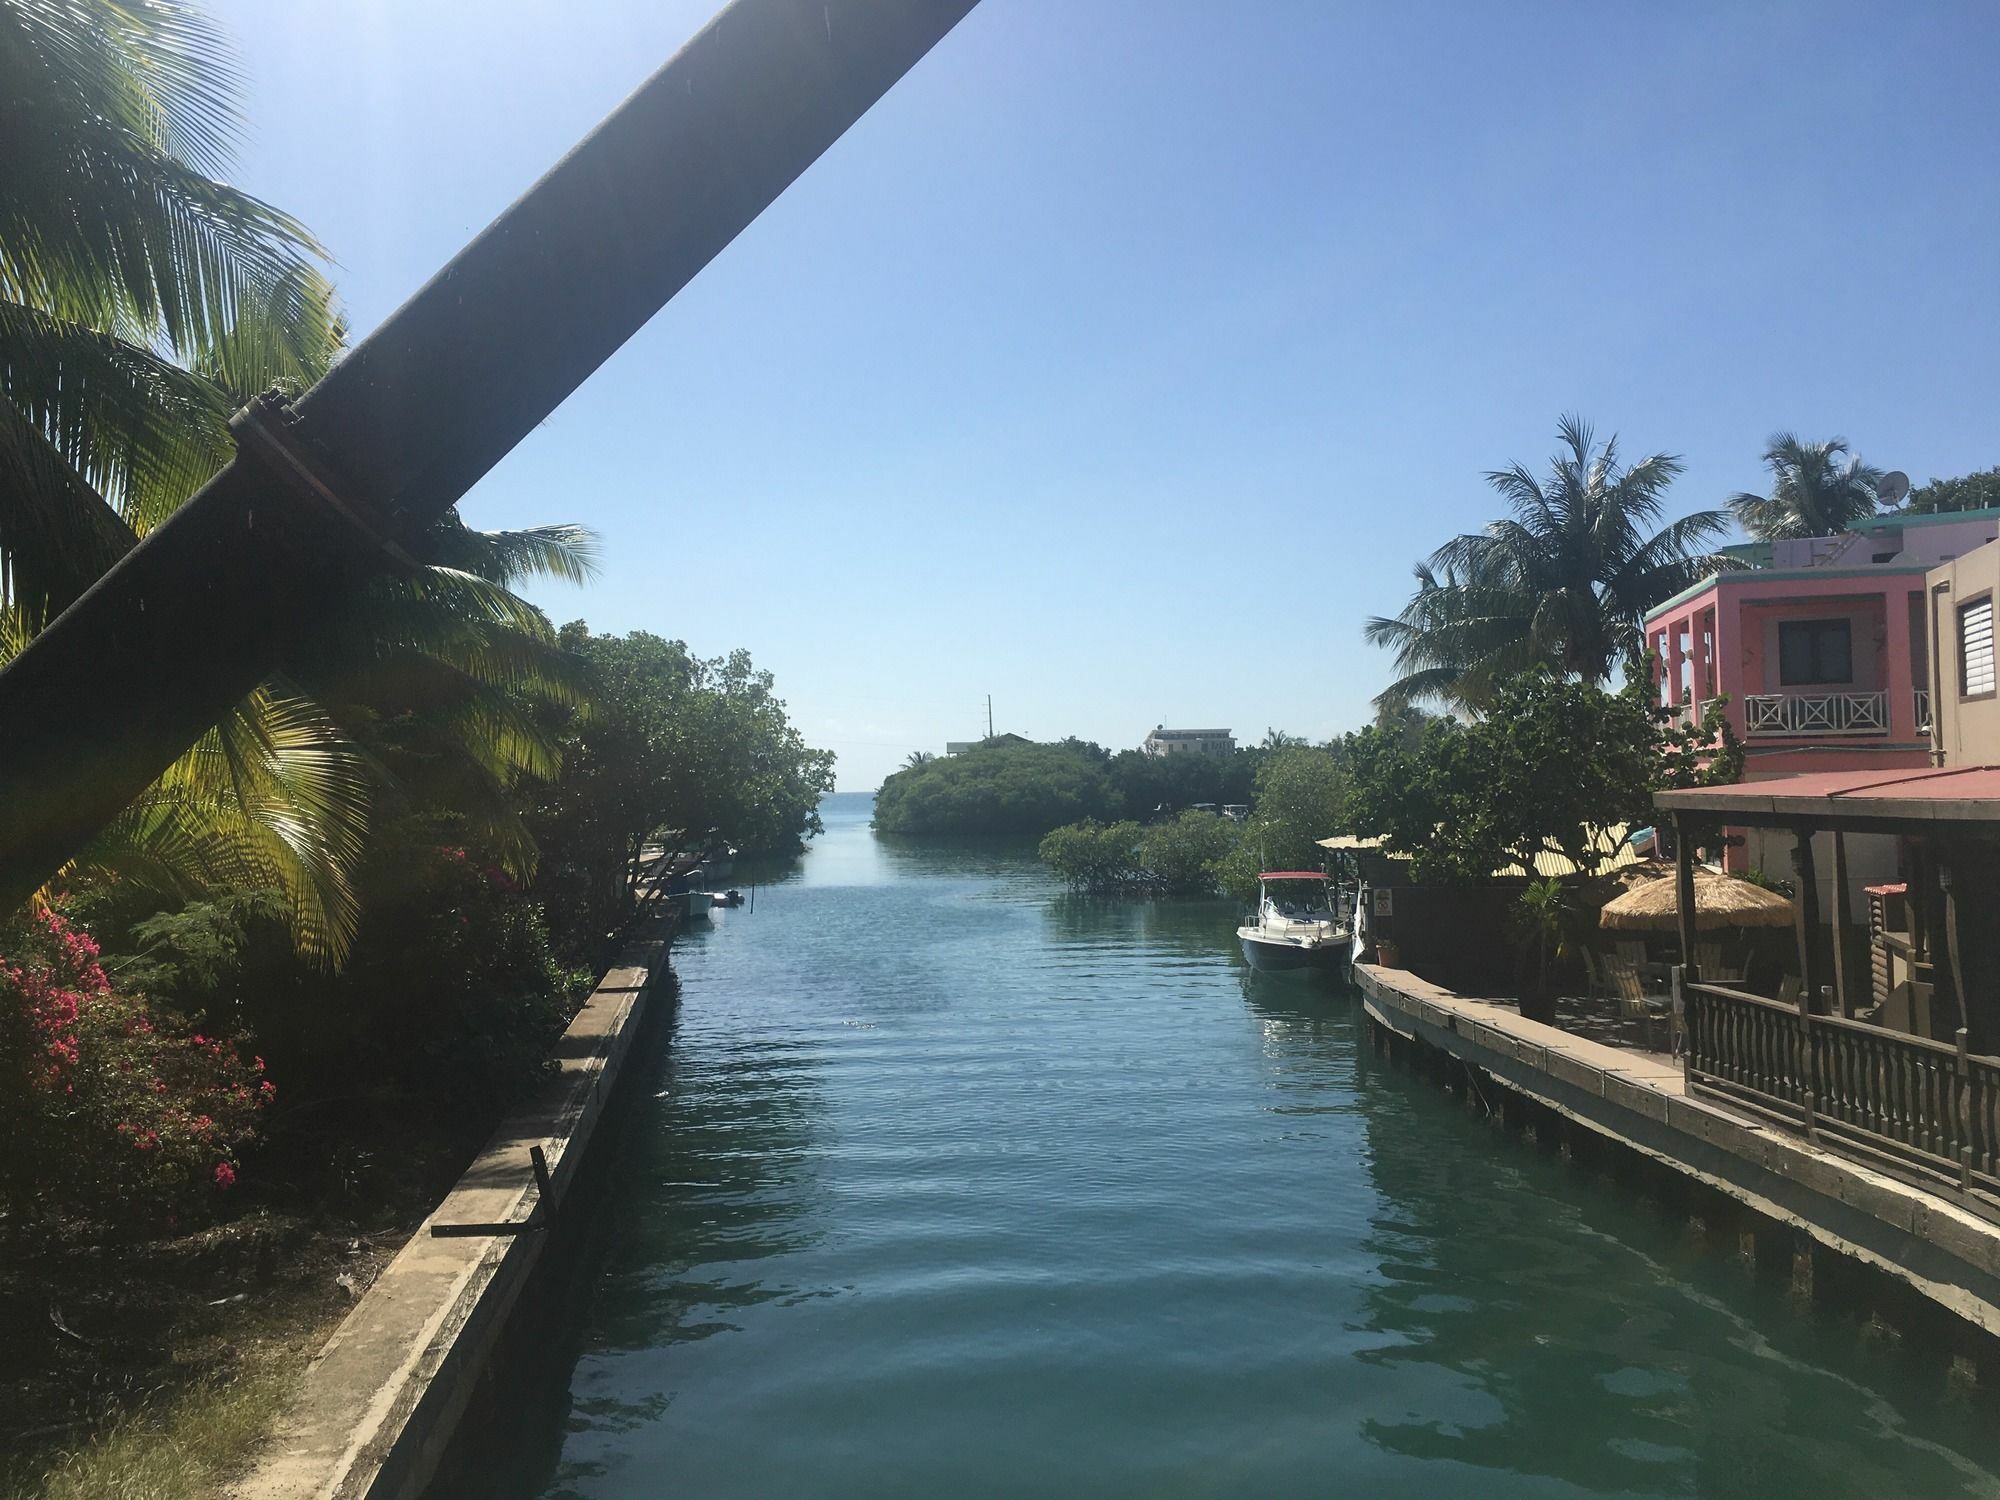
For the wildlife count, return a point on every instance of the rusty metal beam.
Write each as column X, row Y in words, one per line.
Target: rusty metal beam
column 133, row 672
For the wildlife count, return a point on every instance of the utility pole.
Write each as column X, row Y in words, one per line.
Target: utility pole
column 989, row 716
column 340, row 486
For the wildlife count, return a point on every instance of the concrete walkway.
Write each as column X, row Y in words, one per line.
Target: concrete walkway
column 380, row 1402
column 1640, row 1099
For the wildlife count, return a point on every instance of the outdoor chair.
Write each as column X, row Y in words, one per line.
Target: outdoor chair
column 1713, row 967
column 1634, row 1004
column 1594, row 982
column 1789, row 989
column 1633, row 952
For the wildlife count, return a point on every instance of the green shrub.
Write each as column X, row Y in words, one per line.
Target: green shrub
column 1184, row 857
column 1093, row 856
column 1011, row 789
column 107, row 1114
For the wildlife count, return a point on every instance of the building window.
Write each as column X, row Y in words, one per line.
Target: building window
column 1975, row 648
column 1812, row 652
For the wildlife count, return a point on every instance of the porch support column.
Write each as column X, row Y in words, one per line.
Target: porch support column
column 1948, row 883
column 1842, row 917
column 1899, row 679
column 1684, row 896
column 1805, row 915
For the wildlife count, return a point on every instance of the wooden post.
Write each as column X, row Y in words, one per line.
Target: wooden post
column 1806, row 918
column 1842, row 917
column 1684, row 896
column 1949, row 885
column 1805, row 915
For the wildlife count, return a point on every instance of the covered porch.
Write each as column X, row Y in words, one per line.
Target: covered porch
column 1813, row 657
column 1895, row 1059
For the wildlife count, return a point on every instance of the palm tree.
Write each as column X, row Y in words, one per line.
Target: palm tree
column 140, row 299
column 1817, row 489
column 1563, row 581
column 141, row 302
column 917, row 758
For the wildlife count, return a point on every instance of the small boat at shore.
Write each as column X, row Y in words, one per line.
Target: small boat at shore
column 1296, row 926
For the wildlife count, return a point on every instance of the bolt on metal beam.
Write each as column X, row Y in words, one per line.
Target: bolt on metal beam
column 189, row 621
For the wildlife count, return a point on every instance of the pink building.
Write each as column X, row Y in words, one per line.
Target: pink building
column 1821, row 644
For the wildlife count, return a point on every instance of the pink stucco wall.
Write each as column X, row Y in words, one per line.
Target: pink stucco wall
column 1725, row 640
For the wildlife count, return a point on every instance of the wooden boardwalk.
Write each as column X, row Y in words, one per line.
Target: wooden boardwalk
column 1640, row 1100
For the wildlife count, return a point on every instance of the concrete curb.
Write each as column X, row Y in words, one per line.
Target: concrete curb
column 380, row 1402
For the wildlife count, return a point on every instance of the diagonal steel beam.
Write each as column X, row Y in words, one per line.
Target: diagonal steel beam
column 323, row 495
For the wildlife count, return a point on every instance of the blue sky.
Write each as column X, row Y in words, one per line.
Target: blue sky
column 1122, row 360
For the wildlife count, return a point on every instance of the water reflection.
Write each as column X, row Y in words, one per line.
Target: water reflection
column 1528, row 1322
column 957, row 1184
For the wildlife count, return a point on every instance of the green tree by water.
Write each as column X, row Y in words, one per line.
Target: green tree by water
column 1563, row 581
column 1023, row 790
column 1094, row 856
column 672, row 742
column 1977, row 491
column 1817, row 489
column 1301, row 798
column 1552, row 765
column 1188, row 855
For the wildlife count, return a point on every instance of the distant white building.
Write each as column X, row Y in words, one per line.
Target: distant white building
column 1165, row 741
column 959, row 747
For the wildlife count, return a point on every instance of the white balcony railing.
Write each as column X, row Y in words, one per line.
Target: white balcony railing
column 1922, row 697
column 1816, row 713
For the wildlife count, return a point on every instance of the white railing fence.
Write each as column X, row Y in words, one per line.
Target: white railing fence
column 1816, row 713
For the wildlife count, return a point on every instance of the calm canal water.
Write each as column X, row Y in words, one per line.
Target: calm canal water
column 956, row 1185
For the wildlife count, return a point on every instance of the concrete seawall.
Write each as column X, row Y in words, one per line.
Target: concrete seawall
column 379, row 1404
column 1947, row 1256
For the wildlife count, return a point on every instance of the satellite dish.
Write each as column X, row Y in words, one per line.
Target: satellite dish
column 1892, row 487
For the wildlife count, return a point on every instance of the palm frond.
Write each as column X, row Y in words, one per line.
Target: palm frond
column 275, row 796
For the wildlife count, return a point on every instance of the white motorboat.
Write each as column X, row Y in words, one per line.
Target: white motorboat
column 1297, row 925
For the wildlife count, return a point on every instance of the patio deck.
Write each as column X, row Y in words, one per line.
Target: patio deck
column 1639, row 1099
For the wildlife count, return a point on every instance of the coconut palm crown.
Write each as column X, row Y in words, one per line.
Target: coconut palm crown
column 1817, row 489
column 1563, row 581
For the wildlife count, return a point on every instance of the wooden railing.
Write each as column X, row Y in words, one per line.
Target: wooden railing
column 1903, row 1099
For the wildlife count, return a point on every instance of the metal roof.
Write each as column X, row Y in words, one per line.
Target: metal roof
column 1948, row 794
column 1615, row 843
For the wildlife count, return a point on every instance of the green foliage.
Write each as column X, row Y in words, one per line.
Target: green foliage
column 1183, row 856
column 1023, row 790
column 1186, row 856
column 1967, row 492
column 109, row 1116
column 1094, row 856
column 674, row 743
column 1552, row 764
column 1817, row 489
column 1554, row 761
column 1562, row 582
column 1043, row 786
column 1301, row 798
column 1542, row 918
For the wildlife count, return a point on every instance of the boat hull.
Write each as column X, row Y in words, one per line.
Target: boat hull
column 1275, row 956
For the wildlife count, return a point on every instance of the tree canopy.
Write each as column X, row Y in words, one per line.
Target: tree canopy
column 1562, row 581
column 1817, row 489
column 1024, row 790
column 1976, row 491
column 1556, row 762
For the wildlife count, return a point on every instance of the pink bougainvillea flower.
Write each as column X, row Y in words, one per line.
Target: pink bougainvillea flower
column 225, row 1175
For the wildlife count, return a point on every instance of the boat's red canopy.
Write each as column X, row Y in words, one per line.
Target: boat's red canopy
column 1293, row 875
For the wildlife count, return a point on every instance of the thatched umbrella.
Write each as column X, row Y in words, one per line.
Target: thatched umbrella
column 1719, row 901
